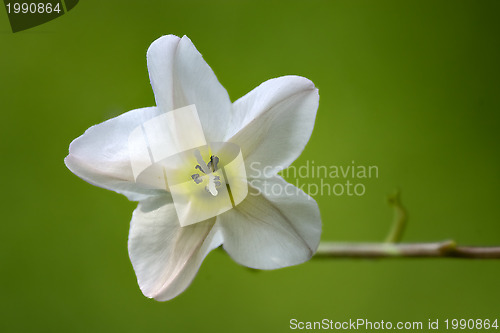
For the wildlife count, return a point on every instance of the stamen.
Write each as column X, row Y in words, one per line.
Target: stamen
column 213, row 181
column 214, row 160
column 211, row 186
column 217, row 181
column 196, row 178
column 201, row 163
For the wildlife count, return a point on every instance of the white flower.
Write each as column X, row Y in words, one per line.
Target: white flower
column 272, row 227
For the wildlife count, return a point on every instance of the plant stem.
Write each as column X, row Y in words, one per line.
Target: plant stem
column 444, row 249
column 400, row 219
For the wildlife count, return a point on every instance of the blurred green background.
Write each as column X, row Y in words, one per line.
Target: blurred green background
column 409, row 86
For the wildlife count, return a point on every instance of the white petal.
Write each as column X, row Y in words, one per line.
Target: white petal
column 161, row 60
column 165, row 256
column 101, row 156
column 180, row 77
column 279, row 227
column 273, row 123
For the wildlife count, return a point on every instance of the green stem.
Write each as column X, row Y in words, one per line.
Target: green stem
column 400, row 219
column 444, row 249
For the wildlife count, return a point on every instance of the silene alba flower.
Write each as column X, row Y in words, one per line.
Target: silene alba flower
column 205, row 170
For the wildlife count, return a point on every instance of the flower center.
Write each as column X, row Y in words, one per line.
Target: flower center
column 208, row 169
